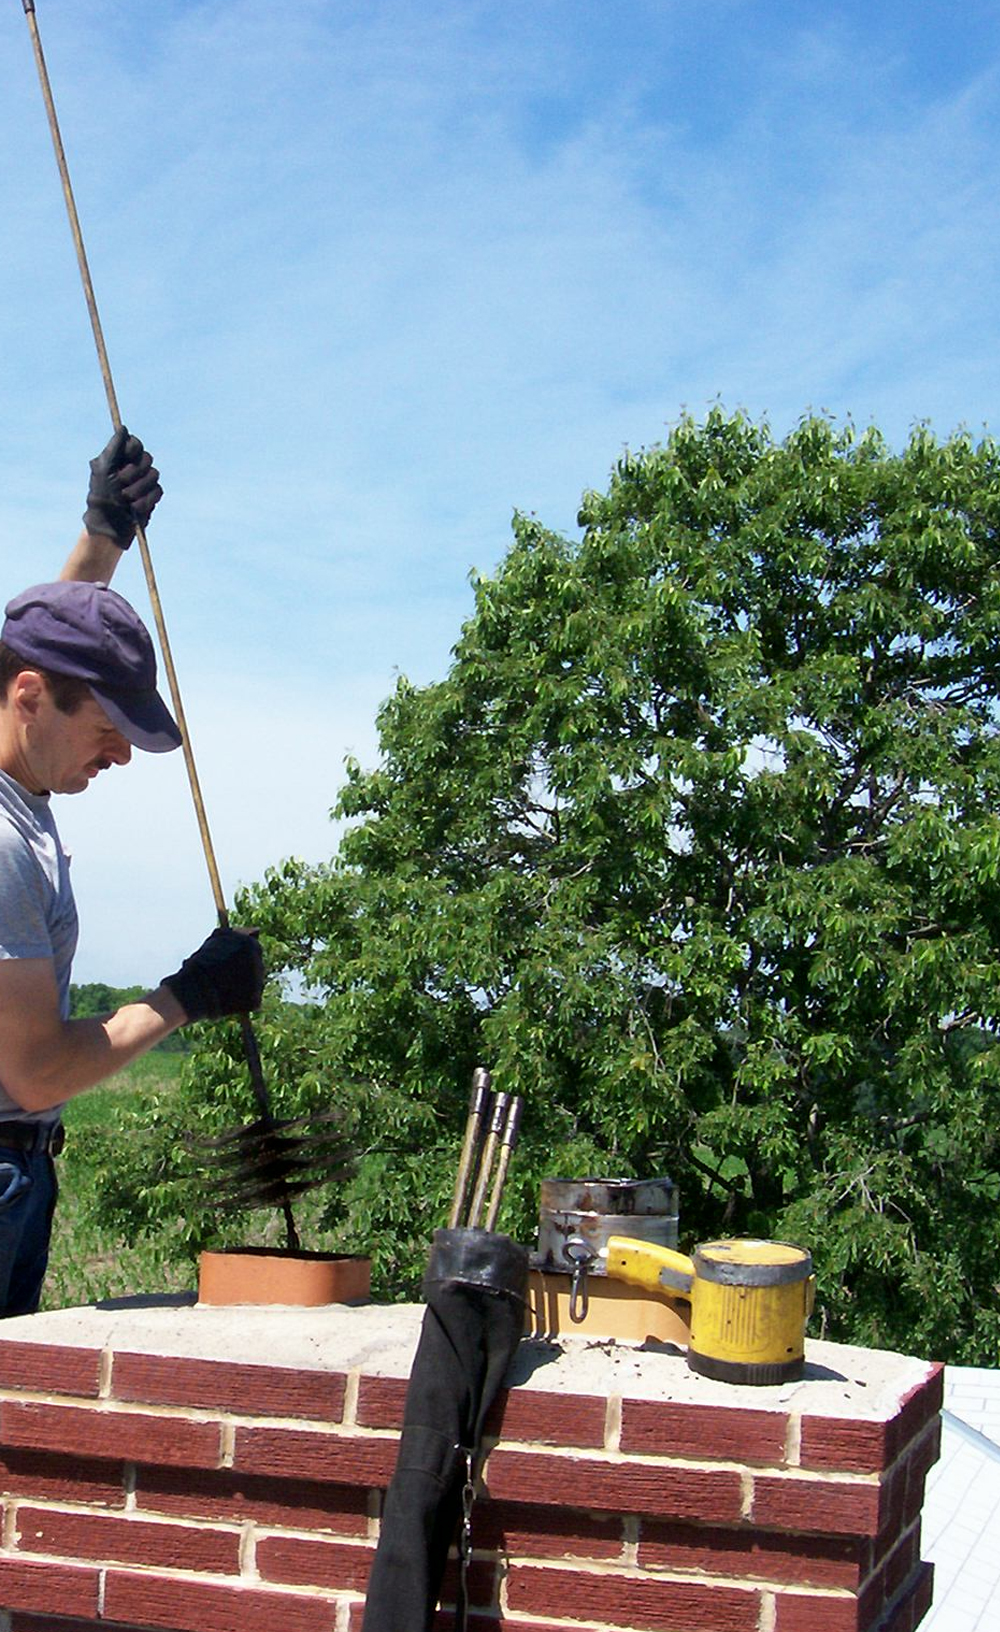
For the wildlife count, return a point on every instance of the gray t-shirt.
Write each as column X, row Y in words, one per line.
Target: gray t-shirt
column 37, row 911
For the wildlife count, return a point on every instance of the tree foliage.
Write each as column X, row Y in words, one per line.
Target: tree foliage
column 697, row 847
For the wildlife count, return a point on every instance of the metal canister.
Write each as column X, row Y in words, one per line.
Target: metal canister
column 750, row 1301
column 577, row 1217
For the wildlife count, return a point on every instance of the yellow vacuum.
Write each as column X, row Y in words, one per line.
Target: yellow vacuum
column 750, row 1301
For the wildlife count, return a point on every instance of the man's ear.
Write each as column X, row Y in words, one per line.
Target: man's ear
column 27, row 693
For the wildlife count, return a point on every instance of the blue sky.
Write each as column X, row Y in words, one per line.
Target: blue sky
column 375, row 274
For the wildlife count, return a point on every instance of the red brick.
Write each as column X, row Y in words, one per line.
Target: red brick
column 299, row 1562
column 816, row 1506
column 530, row 1416
column 482, row 1581
column 128, row 1540
column 892, row 1504
column 808, row 1612
column 297, row 1453
column 917, row 1408
column 844, row 1445
column 870, row 1600
column 521, row 1414
column 252, row 1390
column 198, row 1606
column 54, row 1477
column 295, row 1503
column 887, row 1539
column 129, row 1436
column 28, row 1584
column 628, row 1601
column 484, row 1621
column 49, row 1368
column 481, row 1621
column 618, row 1487
column 381, row 1401
column 816, row 1561
column 921, row 1458
column 50, row 1623
column 894, row 1584
column 850, row 1444
column 703, row 1431
column 444, row 1621
column 907, row 1614
column 901, row 1564
column 526, row 1530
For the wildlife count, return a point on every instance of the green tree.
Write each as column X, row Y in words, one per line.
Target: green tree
column 697, row 847
column 94, row 998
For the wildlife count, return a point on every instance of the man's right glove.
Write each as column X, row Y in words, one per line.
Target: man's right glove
column 124, row 489
column 224, row 976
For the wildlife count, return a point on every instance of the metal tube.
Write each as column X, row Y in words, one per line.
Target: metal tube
column 510, row 1132
column 500, row 1104
column 473, row 1132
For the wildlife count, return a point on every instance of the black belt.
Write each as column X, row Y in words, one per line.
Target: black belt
column 49, row 1136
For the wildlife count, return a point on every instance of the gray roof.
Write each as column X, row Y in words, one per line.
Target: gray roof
column 961, row 1523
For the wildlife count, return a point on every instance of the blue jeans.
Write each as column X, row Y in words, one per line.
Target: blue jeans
column 28, row 1191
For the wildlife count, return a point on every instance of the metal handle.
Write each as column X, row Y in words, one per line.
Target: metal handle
column 645, row 1263
column 579, row 1254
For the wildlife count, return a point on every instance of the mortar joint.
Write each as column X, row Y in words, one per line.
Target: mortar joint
column 227, row 1444
column 613, row 1424
column 352, row 1391
column 248, row 1552
column 793, row 1440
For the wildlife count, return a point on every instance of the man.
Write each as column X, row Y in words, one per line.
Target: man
column 77, row 694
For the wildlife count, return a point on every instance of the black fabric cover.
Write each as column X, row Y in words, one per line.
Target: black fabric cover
column 475, row 1289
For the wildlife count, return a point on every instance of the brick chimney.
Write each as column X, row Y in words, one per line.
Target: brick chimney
column 222, row 1470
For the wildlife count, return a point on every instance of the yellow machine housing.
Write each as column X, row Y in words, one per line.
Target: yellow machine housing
column 750, row 1301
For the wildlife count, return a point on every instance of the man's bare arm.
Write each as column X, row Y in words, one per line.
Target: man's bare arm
column 92, row 560
column 44, row 1059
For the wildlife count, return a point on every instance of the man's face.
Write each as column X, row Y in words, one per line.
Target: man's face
column 66, row 751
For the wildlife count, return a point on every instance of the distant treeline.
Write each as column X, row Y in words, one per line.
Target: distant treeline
column 93, row 997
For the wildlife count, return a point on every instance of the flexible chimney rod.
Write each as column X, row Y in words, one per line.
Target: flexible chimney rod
column 116, row 421
column 249, row 1038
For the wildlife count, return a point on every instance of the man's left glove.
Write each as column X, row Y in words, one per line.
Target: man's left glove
column 225, row 976
column 124, row 489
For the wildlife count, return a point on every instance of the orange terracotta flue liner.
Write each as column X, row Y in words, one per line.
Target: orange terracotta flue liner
column 260, row 1275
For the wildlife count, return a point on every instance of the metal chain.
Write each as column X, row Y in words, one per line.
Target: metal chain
column 465, row 1541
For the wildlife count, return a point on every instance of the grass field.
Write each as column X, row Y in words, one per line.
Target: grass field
column 85, row 1265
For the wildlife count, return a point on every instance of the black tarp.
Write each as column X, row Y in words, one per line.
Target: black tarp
column 475, row 1289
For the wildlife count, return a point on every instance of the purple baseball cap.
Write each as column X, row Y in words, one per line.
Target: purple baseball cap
column 91, row 633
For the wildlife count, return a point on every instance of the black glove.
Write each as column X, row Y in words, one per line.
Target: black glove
column 124, row 489
column 224, row 976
